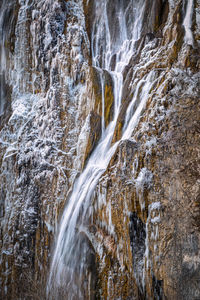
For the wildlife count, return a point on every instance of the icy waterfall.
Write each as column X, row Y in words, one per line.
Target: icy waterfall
column 69, row 263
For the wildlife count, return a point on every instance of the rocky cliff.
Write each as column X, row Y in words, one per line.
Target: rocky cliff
column 99, row 149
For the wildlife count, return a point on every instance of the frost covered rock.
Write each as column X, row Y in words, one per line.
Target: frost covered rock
column 71, row 73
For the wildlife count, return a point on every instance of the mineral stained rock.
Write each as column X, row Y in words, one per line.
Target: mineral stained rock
column 144, row 233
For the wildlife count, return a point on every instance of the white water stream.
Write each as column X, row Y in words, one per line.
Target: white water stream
column 7, row 20
column 3, row 9
column 187, row 23
column 70, row 254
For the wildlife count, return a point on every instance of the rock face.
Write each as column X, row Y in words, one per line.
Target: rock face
column 140, row 236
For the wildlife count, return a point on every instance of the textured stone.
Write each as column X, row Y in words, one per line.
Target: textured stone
column 147, row 226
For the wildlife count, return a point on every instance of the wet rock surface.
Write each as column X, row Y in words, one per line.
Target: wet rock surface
column 143, row 235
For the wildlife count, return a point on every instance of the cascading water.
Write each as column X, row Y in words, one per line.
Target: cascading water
column 112, row 43
column 2, row 58
column 6, row 18
column 8, row 14
column 122, row 234
column 187, row 23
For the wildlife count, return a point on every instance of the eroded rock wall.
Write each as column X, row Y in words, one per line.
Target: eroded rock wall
column 40, row 140
column 146, row 204
column 146, row 207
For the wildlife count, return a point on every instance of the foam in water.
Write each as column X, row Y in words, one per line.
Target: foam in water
column 112, row 53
